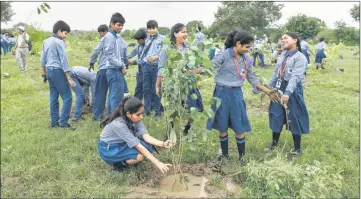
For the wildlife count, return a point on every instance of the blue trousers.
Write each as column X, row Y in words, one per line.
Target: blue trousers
column 116, row 88
column 100, row 94
column 149, row 80
column 79, row 95
column 306, row 55
column 139, row 84
column 59, row 86
column 4, row 46
column 261, row 57
column 126, row 90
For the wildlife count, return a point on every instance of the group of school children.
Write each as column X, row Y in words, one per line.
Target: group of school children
column 124, row 139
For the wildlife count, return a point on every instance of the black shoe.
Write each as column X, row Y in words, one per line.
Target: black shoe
column 186, row 129
column 296, row 152
column 223, row 157
column 54, row 126
column 77, row 119
column 271, row 147
column 242, row 161
column 322, row 67
column 68, row 126
column 119, row 167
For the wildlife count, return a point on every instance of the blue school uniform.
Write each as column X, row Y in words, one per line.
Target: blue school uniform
column 295, row 64
column 54, row 58
column 197, row 103
column 137, row 51
column 305, row 47
column 118, row 140
column 115, row 52
column 101, row 82
column 229, row 81
column 153, row 47
column 320, row 53
column 83, row 80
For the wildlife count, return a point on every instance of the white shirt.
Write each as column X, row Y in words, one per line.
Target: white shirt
column 20, row 40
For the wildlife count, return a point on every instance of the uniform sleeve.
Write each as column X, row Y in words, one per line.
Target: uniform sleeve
column 63, row 58
column 27, row 38
column 162, row 58
column 141, row 129
column 43, row 56
column 96, row 52
column 217, row 61
column 125, row 55
column 109, row 52
column 273, row 79
column 296, row 74
column 251, row 77
column 133, row 53
column 122, row 130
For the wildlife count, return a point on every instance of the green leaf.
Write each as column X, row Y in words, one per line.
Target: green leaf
column 47, row 5
column 204, row 136
column 39, row 11
column 210, row 112
column 218, row 102
column 194, row 96
column 192, row 147
column 191, row 58
column 173, row 136
column 194, row 48
column 192, row 62
column 176, row 87
column 42, row 7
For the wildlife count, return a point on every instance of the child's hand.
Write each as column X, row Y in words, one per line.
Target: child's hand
column 168, row 144
column 163, row 167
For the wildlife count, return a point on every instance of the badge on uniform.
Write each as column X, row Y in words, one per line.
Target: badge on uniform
column 278, row 84
column 243, row 72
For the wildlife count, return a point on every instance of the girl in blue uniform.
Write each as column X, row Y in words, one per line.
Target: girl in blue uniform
column 178, row 37
column 234, row 66
column 125, row 140
column 320, row 53
column 287, row 77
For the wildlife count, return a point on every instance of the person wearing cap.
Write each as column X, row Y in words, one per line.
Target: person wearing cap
column 21, row 48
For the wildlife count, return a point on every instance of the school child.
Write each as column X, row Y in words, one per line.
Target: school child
column 287, row 77
column 124, row 139
column 320, row 53
column 305, row 47
column 140, row 36
column 200, row 37
column 149, row 60
column 178, row 37
column 116, row 59
column 256, row 48
column 83, row 79
column 101, row 83
column 233, row 66
column 276, row 53
column 55, row 65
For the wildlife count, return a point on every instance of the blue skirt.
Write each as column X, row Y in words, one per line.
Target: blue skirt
column 197, row 103
column 319, row 56
column 116, row 153
column 298, row 115
column 304, row 51
column 231, row 113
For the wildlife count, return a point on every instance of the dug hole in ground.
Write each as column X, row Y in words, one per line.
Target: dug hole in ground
column 195, row 176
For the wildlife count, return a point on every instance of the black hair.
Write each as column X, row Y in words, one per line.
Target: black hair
column 129, row 104
column 62, row 26
column 117, row 18
column 152, row 24
column 140, row 34
column 175, row 29
column 322, row 39
column 103, row 28
column 295, row 36
column 199, row 28
column 238, row 35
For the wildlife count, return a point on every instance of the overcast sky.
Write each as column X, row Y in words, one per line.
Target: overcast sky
column 89, row 15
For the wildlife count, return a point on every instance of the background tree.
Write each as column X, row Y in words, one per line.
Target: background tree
column 6, row 11
column 164, row 31
column 355, row 12
column 348, row 35
column 193, row 24
column 247, row 15
column 307, row 27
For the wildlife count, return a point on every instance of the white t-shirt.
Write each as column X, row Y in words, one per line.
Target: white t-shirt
column 20, row 40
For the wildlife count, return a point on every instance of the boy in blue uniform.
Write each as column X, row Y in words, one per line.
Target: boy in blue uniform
column 55, row 65
column 140, row 36
column 83, row 79
column 101, row 85
column 149, row 60
column 116, row 59
column 234, row 66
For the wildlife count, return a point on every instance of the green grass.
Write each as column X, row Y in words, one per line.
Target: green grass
column 37, row 161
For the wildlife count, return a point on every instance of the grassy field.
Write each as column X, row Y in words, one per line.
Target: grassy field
column 37, row 161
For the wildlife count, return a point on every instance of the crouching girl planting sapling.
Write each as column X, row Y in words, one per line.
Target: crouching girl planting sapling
column 125, row 141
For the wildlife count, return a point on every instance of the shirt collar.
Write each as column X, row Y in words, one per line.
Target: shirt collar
column 155, row 36
column 291, row 53
column 57, row 36
column 113, row 32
